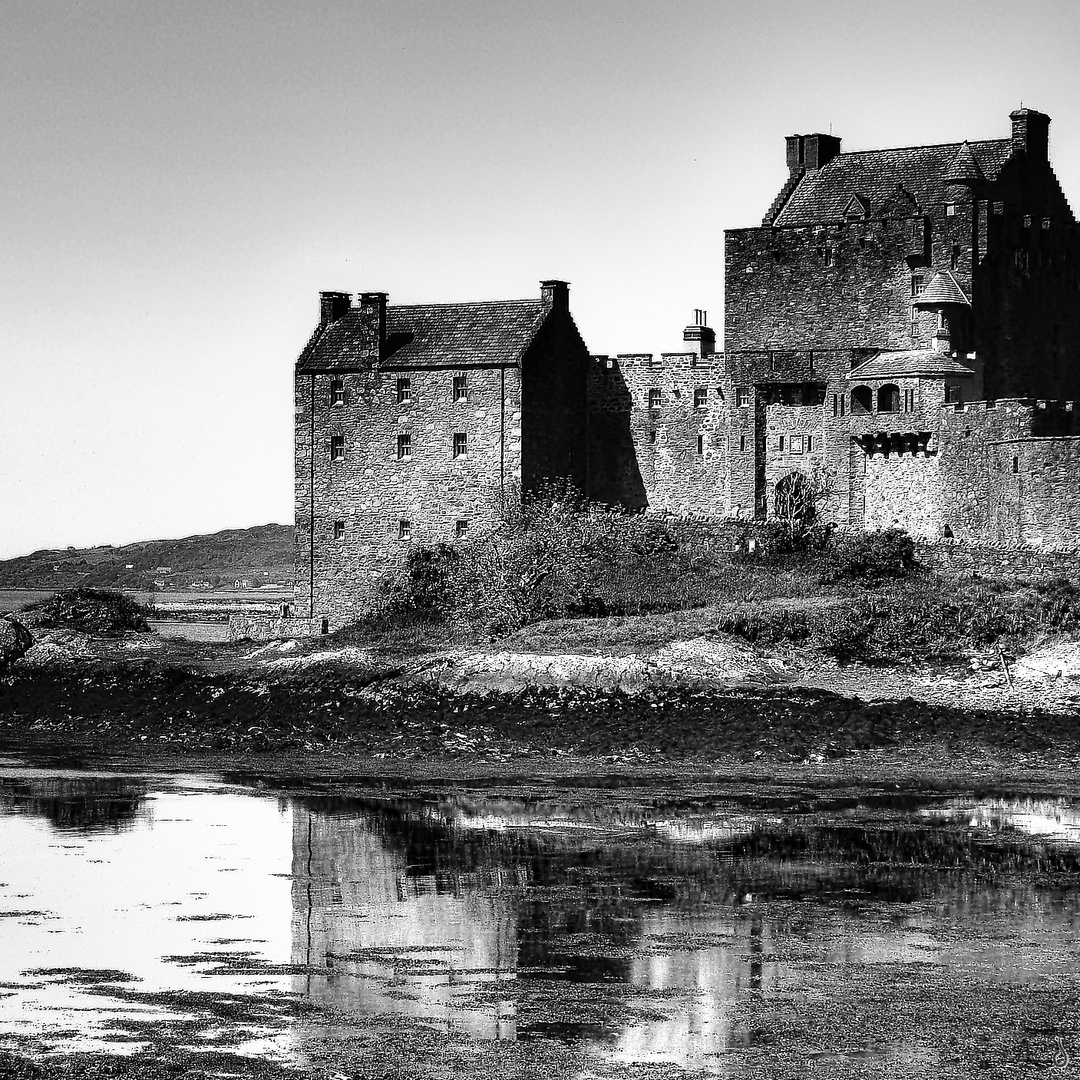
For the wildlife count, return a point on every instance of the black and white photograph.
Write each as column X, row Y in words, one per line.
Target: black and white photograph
column 539, row 540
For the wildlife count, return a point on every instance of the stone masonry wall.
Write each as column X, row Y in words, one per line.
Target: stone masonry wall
column 372, row 490
column 904, row 491
column 825, row 287
column 1007, row 562
column 670, row 411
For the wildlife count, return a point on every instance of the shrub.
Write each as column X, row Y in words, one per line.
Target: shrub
column 550, row 554
column 885, row 553
column 103, row 612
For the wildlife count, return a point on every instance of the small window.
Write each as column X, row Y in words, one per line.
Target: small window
column 337, row 447
column 917, row 283
column 700, row 445
column 404, row 391
column 742, row 396
column 461, row 388
column 339, row 530
column 1016, row 464
column 952, row 395
column 654, row 397
column 461, row 444
column 461, row 528
column 404, row 530
column 950, row 209
column 701, row 397
column 404, row 446
column 915, row 328
column 954, row 258
column 909, row 401
column 652, row 436
column 839, row 404
column 797, row 443
column 888, row 399
column 337, row 391
column 742, row 442
column 809, row 444
column 827, row 256
column 780, row 444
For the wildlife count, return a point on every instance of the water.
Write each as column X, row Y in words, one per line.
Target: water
column 612, row 927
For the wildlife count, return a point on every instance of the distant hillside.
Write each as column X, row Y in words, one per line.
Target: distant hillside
column 257, row 556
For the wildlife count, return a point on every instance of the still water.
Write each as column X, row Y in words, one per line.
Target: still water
column 634, row 925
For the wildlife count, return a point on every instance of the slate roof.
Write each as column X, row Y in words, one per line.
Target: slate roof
column 942, row 289
column 917, row 362
column 965, row 168
column 421, row 335
column 875, row 175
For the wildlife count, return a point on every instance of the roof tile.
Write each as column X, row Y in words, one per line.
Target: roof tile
column 876, row 175
column 909, row 364
column 421, row 335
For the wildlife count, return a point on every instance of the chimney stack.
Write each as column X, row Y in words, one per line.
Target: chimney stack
column 555, row 294
column 1031, row 133
column 373, row 320
column 332, row 305
column 808, row 153
column 700, row 334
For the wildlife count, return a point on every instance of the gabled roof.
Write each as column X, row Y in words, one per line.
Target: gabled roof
column 909, row 364
column 922, row 172
column 942, row 289
column 420, row 335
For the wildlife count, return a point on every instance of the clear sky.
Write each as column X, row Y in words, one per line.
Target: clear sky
column 179, row 181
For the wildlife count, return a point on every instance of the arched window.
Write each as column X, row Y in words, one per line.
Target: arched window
column 888, row 399
column 862, row 400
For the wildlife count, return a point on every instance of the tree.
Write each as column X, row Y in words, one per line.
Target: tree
column 801, row 499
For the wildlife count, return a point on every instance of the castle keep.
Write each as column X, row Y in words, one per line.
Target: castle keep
column 903, row 327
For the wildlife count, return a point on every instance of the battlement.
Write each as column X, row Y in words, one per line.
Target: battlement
column 1010, row 405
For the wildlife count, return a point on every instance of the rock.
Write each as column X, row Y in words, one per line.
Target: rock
column 15, row 641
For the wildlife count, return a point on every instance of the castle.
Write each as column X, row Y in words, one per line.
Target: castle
column 903, row 327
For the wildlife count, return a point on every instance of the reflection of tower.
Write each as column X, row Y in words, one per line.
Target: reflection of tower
column 755, row 951
column 374, row 939
column 707, row 983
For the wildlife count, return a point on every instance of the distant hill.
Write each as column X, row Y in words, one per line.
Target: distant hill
column 258, row 556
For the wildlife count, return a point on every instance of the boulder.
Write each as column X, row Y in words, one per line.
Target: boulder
column 15, row 641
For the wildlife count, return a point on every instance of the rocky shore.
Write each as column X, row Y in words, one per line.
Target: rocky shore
column 697, row 703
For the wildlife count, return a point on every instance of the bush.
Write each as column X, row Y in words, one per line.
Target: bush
column 551, row 554
column 872, row 556
column 103, row 612
column 922, row 623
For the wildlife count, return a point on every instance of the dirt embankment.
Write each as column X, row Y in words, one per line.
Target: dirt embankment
column 702, row 700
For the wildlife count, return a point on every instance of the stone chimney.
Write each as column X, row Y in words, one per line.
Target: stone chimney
column 1031, row 133
column 810, row 152
column 332, row 305
column 372, row 308
column 555, row 294
column 700, row 335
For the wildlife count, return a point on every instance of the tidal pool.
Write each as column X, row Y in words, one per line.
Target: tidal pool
column 606, row 930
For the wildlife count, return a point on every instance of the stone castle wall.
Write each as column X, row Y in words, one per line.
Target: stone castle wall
column 380, row 500
column 830, row 287
column 660, row 434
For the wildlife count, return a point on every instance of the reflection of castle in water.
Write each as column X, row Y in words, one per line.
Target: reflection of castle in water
column 455, row 910
column 392, row 941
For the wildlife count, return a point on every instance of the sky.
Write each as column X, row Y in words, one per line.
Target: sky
column 180, row 180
